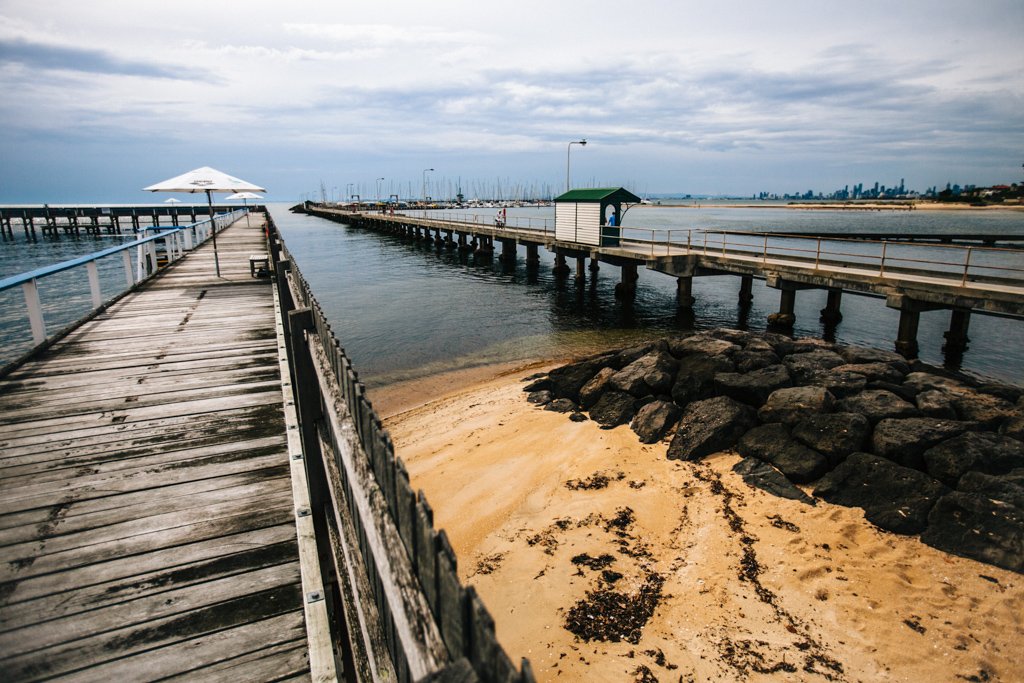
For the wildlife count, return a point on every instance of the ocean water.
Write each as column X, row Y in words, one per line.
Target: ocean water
column 404, row 310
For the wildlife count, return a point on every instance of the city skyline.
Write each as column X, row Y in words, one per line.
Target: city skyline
column 693, row 97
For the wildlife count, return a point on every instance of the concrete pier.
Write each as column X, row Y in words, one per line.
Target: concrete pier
column 909, row 285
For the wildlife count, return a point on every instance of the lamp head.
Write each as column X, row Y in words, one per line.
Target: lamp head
column 583, row 142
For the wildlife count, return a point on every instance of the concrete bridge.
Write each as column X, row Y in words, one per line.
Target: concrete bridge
column 911, row 277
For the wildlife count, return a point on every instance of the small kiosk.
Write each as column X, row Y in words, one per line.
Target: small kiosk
column 591, row 216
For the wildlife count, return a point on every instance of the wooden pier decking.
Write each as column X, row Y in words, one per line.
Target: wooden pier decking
column 147, row 521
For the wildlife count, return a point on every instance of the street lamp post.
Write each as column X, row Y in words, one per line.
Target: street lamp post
column 581, row 143
column 348, row 190
column 424, row 195
column 378, row 189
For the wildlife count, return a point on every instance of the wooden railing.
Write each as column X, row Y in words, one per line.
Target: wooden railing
column 399, row 611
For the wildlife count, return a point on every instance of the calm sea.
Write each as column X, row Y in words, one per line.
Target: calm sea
column 403, row 310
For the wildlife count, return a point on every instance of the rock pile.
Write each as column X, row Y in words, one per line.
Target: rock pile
column 921, row 450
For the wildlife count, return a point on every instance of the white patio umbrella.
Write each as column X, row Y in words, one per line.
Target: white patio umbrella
column 172, row 200
column 245, row 197
column 208, row 180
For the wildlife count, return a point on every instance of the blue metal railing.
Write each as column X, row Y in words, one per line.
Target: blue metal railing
column 175, row 243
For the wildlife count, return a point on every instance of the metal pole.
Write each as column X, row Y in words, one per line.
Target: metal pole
column 581, row 143
column 213, row 226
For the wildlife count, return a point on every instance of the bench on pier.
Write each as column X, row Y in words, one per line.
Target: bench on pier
column 259, row 265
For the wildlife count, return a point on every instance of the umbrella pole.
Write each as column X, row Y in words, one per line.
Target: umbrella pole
column 213, row 227
column 245, row 202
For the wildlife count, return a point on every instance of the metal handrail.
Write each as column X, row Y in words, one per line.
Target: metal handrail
column 177, row 241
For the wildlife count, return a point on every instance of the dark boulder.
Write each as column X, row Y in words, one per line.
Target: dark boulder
column 1007, row 392
column 773, row 444
column 738, row 337
column 592, row 390
column 538, row 384
column 859, row 354
column 747, row 359
column 975, row 525
column 561, row 405
column 696, row 377
column 755, row 387
column 906, row 393
column 567, row 380
column 703, row 344
column 782, row 344
column 755, row 354
column 983, row 451
column 614, row 408
column 905, row 441
column 710, row 426
column 760, row 442
column 654, row 420
column 839, row 384
column 762, row 475
column 884, row 372
column 812, row 344
column 650, row 374
column 627, row 356
column 925, row 381
column 984, row 408
column 1001, row 488
column 792, row 404
column 803, row 365
column 835, row 435
column 876, row 404
column 935, row 403
column 578, row 417
column 893, row 497
column 541, row 397
column 1013, row 427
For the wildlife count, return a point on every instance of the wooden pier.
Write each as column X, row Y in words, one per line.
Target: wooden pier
column 194, row 486
column 147, row 519
column 65, row 220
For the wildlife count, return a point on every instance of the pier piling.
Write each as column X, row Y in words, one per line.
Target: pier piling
column 831, row 313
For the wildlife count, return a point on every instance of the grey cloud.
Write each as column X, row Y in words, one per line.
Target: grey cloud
column 44, row 56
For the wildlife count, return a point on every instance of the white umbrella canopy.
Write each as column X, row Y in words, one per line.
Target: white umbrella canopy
column 245, row 197
column 204, row 179
column 208, row 180
column 172, row 200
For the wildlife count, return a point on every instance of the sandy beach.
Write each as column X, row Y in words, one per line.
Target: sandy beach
column 602, row 560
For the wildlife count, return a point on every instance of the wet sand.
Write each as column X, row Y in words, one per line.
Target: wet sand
column 696, row 575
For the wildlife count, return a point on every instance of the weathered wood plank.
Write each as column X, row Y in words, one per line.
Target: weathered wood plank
column 137, row 432
column 83, row 515
column 134, row 474
column 197, row 433
column 253, row 611
column 143, row 535
column 55, row 630
column 146, row 511
column 150, row 569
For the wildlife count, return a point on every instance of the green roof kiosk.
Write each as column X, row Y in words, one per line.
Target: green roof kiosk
column 585, row 216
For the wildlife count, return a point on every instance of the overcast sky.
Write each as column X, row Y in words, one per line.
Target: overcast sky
column 101, row 98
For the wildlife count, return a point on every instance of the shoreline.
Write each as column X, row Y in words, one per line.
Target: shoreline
column 519, row 491
column 896, row 205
